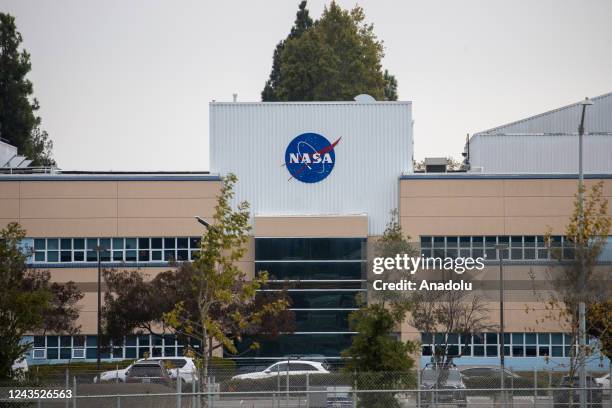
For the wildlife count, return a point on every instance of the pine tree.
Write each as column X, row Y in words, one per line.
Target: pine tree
column 19, row 124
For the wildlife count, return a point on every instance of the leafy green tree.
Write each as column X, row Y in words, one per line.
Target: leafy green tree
column 19, row 124
column 334, row 59
column 377, row 359
column 28, row 301
column 301, row 24
column 221, row 293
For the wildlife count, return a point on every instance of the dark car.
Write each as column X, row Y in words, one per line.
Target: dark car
column 148, row 372
column 561, row 397
column 446, row 385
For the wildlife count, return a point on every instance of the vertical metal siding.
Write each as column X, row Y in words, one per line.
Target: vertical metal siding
column 523, row 146
column 376, row 148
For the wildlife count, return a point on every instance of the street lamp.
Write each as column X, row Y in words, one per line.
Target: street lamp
column 98, row 330
column 202, row 221
column 502, row 353
column 581, row 305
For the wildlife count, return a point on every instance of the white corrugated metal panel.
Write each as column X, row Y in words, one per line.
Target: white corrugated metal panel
column 598, row 118
column 529, row 153
column 250, row 139
column 7, row 152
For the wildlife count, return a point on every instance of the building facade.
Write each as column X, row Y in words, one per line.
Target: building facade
column 322, row 180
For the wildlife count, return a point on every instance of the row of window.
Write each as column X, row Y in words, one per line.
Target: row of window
column 520, row 247
column 487, row 344
column 77, row 347
column 327, row 270
column 69, row 250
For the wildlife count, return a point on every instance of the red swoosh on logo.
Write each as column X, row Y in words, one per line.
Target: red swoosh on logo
column 324, row 150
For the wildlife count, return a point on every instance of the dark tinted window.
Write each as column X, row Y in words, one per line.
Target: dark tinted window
column 270, row 249
column 323, row 299
column 329, row 345
column 145, row 371
column 311, row 270
column 301, row 367
column 322, row 320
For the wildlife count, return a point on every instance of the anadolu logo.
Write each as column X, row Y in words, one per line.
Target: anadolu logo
column 310, row 157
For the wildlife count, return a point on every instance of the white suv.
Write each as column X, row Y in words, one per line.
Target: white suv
column 184, row 366
column 297, row 367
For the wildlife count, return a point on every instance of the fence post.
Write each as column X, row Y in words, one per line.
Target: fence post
column 418, row 388
column 67, row 386
column 535, row 387
column 307, row 390
column 610, row 382
column 116, row 373
column 287, row 386
column 74, row 392
column 193, row 390
column 278, row 384
column 178, row 389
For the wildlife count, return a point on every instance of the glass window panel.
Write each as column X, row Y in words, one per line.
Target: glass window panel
column 426, row 338
column 194, row 242
column 543, row 338
column 490, row 242
column 66, row 256
column 542, row 253
column 130, row 256
column 169, row 340
column 516, row 253
column 529, row 241
column 142, row 351
column 92, row 243
column 451, row 252
column 425, row 242
column 117, row 352
column 503, row 240
column 52, row 244
column 79, row 256
column 130, row 340
column 557, row 351
column 39, row 256
column 182, row 243
column 517, row 338
column 465, row 252
column 517, row 351
column 92, row 256
column 130, row 352
column 491, row 338
column 309, row 248
column 426, row 350
column 182, row 255
column 453, row 350
column 143, row 340
column 66, row 353
column 478, row 351
column 143, row 255
column 491, row 351
column 52, row 256
column 506, row 338
column 529, row 253
column 323, row 299
column 477, row 252
column 78, row 243
column 91, row 353
column 66, row 341
column 78, row 341
column 52, row 341
column 544, row 351
column 478, row 339
column 156, row 352
column 426, row 252
column 557, row 338
column 477, row 241
column 530, row 338
column 439, row 338
column 453, row 338
column 194, row 254
column 169, row 255
column 39, row 341
column 105, row 243
column 490, row 254
column 105, row 256
column 438, row 242
column 156, row 255
column 567, row 338
column 169, row 243
column 464, row 242
column 516, row 241
column 130, row 243
column 466, row 351
column 169, row 352
column 39, row 244
column 118, row 256
column 117, row 243
column 92, row 341
column 52, row 354
column 506, row 350
column 530, row 351
column 452, row 242
column 143, row 243
column 156, row 243
column 66, row 243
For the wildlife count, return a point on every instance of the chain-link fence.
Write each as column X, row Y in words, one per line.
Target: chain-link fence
column 456, row 387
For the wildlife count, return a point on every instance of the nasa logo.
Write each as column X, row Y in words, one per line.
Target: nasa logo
column 310, row 157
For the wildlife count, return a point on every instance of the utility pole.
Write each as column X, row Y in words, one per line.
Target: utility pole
column 502, row 352
column 581, row 249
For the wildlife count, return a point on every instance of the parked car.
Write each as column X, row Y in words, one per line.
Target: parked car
column 561, row 397
column 603, row 382
column 298, row 367
column 446, row 379
column 183, row 366
column 148, row 372
column 489, row 377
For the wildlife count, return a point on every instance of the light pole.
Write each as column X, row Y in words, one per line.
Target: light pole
column 502, row 353
column 581, row 305
column 98, row 330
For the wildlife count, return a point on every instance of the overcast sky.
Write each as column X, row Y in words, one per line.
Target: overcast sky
column 125, row 85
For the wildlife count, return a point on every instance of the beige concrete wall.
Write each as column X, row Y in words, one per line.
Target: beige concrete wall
column 311, row 226
column 488, row 207
column 107, row 208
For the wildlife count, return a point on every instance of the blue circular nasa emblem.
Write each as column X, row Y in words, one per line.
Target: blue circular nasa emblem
column 310, row 157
